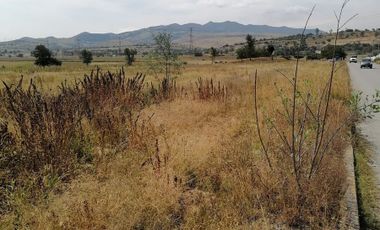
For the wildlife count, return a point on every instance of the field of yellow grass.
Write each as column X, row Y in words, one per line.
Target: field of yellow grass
column 200, row 166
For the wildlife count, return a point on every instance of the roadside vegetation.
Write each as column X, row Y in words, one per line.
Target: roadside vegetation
column 366, row 181
column 194, row 144
column 368, row 193
column 360, row 42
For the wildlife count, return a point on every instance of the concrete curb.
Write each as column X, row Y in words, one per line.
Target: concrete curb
column 350, row 210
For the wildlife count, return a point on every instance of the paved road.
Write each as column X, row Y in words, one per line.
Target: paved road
column 367, row 81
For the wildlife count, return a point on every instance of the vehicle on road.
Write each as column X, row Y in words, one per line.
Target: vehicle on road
column 354, row 59
column 366, row 63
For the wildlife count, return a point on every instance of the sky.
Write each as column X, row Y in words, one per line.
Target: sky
column 66, row 18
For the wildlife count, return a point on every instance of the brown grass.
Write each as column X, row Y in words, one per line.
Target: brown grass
column 199, row 165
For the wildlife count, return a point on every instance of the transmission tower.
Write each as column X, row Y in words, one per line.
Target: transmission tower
column 191, row 40
column 78, row 45
column 119, row 45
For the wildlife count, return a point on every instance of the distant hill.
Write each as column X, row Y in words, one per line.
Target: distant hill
column 212, row 33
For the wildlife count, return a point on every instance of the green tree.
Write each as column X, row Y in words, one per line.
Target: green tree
column 328, row 52
column 248, row 50
column 270, row 50
column 163, row 59
column 86, row 56
column 44, row 57
column 250, row 47
column 130, row 55
column 214, row 53
column 241, row 53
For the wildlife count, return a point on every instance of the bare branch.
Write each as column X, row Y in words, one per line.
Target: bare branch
column 303, row 99
column 294, row 106
column 320, row 138
column 348, row 20
column 284, row 104
column 336, row 15
column 285, row 76
column 282, row 137
column 265, row 149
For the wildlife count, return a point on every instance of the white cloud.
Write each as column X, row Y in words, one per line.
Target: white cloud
column 296, row 9
column 228, row 3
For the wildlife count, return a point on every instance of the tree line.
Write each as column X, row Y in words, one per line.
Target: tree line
column 44, row 57
column 164, row 47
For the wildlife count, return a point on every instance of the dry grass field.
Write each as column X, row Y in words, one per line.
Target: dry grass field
column 191, row 160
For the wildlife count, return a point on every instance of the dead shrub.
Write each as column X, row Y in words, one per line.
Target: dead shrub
column 46, row 144
column 206, row 90
column 111, row 104
column 53, row 135
column 239, row 189
column 46, row 126
column 166, row 90
column 103, row 88
column 8, row 161
column 298, row 138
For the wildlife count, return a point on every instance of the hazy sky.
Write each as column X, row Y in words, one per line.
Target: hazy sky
column 65, row 18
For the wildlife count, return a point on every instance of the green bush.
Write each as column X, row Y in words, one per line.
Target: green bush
column 328, row 52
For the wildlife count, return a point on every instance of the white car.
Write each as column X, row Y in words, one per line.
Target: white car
column 354, row 59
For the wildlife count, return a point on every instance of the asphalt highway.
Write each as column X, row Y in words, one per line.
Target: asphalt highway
column 368, row 81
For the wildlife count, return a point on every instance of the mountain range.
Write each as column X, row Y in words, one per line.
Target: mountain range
column 209, row 34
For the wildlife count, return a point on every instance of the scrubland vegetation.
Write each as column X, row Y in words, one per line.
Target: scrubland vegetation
column 362, row 42
column 196, row 143
column 123, row 151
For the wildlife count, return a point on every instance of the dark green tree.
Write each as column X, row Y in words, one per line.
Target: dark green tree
column 214, row 53
column 241, row 53
column 44, row 57
column 250, row 47
column 328, row 52
column 130, row 55
column 270, row 50
column 86, row 56
column 248, row 50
